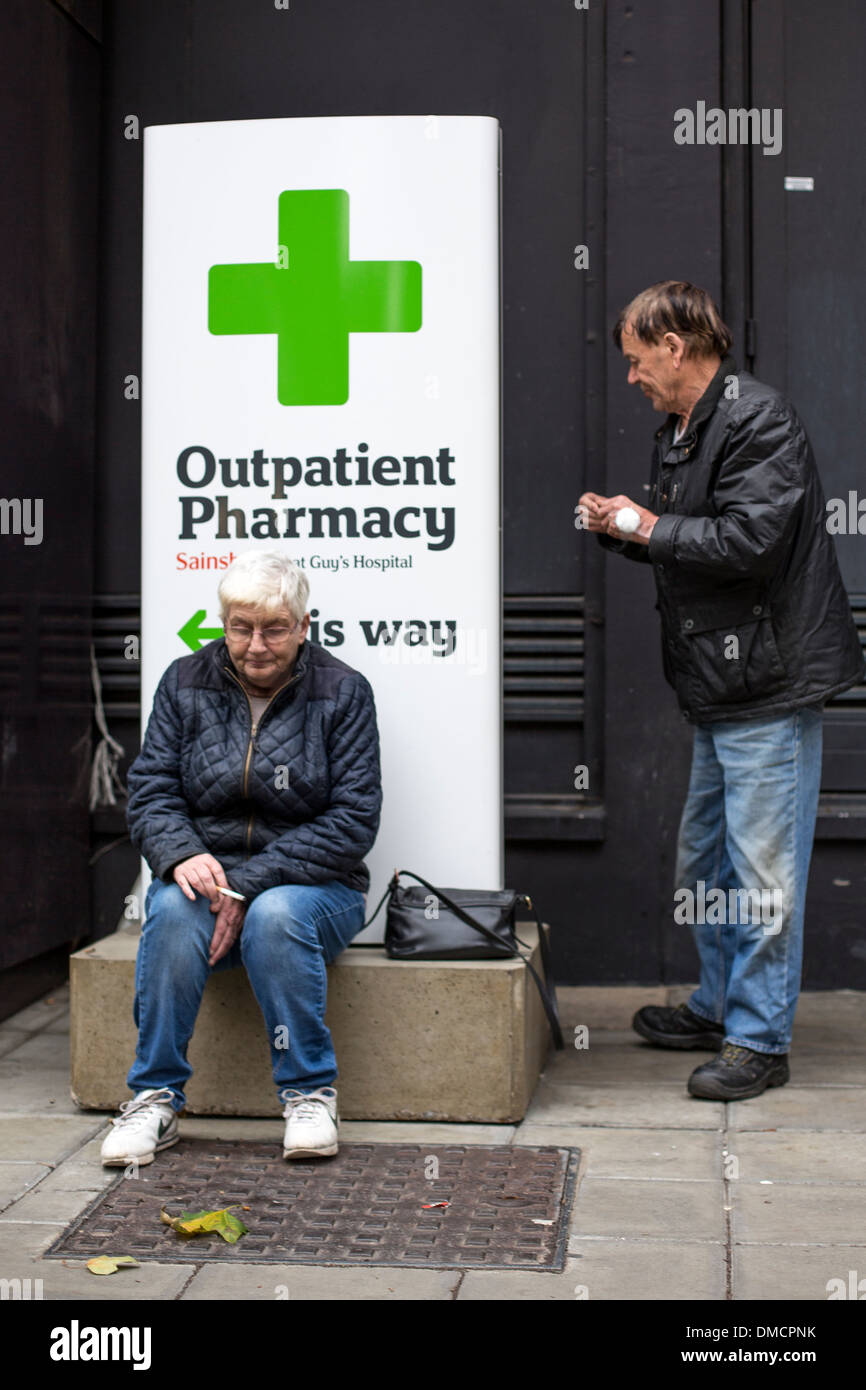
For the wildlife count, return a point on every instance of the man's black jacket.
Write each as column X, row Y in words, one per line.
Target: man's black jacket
column 755, row 617
column 298, row 802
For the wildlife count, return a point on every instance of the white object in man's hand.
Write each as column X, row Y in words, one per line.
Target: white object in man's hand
column 627, row 520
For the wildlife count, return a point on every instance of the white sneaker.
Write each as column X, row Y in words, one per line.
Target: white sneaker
column 145, row 1124
column 311, row 1123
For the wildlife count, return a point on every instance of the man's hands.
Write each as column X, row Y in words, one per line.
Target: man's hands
column 597, row 514
column 201, row 874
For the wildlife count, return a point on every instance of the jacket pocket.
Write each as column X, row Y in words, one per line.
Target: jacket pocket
column 729, row 650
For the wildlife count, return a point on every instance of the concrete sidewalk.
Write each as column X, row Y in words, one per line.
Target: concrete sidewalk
column 677, row 1198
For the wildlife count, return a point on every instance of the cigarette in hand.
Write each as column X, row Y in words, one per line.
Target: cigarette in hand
column 230, row 893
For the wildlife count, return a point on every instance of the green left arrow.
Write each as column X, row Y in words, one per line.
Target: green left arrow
column 194, row 634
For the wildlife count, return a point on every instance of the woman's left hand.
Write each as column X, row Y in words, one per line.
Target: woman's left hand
column 227, row 928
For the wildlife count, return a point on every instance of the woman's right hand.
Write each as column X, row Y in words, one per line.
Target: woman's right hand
column 200, row 874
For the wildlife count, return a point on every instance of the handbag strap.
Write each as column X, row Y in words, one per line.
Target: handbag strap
column 392, row 884
column 546, row 991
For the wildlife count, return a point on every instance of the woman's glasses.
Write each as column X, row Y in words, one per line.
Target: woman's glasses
column 274, row 634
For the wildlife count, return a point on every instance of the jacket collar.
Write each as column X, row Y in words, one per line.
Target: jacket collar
column 705, row 405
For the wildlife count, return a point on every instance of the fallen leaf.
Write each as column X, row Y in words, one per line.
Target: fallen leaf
column 537, row 1221
column 109, row 1264
column 428, row 1206
column 193, row 1223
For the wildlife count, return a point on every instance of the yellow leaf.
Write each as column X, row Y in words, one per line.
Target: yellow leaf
column 191, row 1223
column 109, row 1264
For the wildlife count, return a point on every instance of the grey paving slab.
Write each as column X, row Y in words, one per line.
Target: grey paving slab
column 17, row 1178
column 797, row 1214
column 43, row 1049
column 605, row 1006
column 230, row 1127
column 10, row 1038
column 304, row 1283
column 65, row 1191
column 27, row 1088
column 802, row 1107
column 626, row 1207
column 629, row 1107
column 599, row 1037
column 84, row 1168
column 22, row 1242
column 351, row 1131
column 396, row 1132
column 794, row 1273
column 60, row 1024
column 827, row 1037
column 671, row 1154
column 679, row 994
column 46, row 1010
column 839, row 1008
column 52, row 1203
column 628, row 1063
column 817, row 1068
column 21, row 1248
column 612, row 1269
column 46, row 1138
column 799, row 1156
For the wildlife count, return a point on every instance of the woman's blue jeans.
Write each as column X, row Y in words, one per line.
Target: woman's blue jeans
column 288, row 937
column 748, row 824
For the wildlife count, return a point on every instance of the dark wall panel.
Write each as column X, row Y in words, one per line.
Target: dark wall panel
column 49, row 159
column 663, row 221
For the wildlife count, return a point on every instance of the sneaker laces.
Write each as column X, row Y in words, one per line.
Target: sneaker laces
column 733, row 1054
column 305, row 1106
column 135, row 1113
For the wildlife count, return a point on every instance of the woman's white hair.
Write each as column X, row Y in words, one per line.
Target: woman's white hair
column 264, row 579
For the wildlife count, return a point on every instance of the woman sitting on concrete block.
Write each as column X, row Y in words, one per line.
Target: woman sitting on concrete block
column 254, row 799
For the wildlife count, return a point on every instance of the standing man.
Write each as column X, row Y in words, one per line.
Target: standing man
column 757, row 634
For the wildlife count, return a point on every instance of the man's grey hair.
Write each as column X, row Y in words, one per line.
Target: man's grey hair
column 264, row 579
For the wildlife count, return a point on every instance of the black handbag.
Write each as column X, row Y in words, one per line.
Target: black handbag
column 462, row 924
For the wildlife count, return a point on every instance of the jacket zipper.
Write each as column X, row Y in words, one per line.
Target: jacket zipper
column 254, row 728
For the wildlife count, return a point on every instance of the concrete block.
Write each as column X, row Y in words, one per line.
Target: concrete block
column 422, row 1040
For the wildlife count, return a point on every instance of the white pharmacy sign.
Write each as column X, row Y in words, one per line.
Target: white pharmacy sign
column 321, row 362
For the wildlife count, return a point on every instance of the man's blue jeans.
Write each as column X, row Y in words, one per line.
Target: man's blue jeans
column 748, row 824
column 288, row 937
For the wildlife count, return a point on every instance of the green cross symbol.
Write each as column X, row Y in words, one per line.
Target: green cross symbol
column 316, row 300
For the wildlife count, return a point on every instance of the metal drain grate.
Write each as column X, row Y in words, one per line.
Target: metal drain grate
column 364, row 1206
